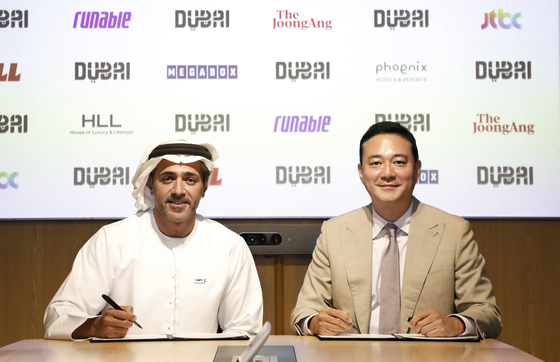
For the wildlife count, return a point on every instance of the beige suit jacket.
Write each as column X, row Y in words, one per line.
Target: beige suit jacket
column 443, row 271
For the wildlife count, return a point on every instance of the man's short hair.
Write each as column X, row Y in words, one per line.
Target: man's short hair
column 389, row 128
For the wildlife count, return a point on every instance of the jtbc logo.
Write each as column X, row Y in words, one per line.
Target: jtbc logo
column 8, row 180
column 429, row 177
column 103, row 71
column 413, row 123
column 401, row 18
column 97, row 123
column 202, row 18
column 303, row 174
column 506, row 175
column 100, row 176
column 202, row 122
column 91, row 19
column 10, row 77
column 503, row 70
column 490, row 18
column 19, row 17
column 13, row 123
column 202, row 71
column 303, row 70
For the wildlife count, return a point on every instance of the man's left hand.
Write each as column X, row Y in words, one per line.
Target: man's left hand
column 432, row 323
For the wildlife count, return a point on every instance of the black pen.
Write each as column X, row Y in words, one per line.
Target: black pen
column 332, row 306
column 116, row 306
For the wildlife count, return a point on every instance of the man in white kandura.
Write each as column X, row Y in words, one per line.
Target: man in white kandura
column 181, row 272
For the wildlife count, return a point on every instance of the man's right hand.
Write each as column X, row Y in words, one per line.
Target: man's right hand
column 330, row 322
column 113, row 324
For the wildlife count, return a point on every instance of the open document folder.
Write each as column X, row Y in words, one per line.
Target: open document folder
column 394, row 337
column 176, row 337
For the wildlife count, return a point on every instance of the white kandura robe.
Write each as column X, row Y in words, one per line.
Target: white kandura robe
column 176, row 285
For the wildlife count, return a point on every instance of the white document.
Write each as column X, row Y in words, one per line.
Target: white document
column 175, row 337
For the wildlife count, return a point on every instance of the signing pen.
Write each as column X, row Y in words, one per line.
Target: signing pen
column 116, row 306
column 332, row 306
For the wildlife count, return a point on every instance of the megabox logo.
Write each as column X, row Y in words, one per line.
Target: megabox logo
column 102, row 71
column 429, row 177
column 290, row 20
column 304, row 175
column 401, row 18
column 14, row 124
column 302, row 124
column 491, row 124
column 416, row 122
column 8, row 180
column 202, row 19
column 15, row 18
column 505, row 175
column 490, row 19
column 202, row 72
column 303, row 70
column 102, row 20
column 202, row 123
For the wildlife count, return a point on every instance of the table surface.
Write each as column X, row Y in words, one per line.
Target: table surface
column 306, row 348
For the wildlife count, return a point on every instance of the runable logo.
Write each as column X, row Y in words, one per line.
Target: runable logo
column 15, row 123
column 303, row 70
column 202, row 19
column 504, row 175
column 401, row 18
column 18, row 18
column 304, row 175
column 489, row 124
column 103, row 20
column 503, row 70
column 302, row 124
column 8, row 180
column 490, row 18
column 429, row 177
column 12, row 76
column 103, row 176
column 402, row 68
column 202, row 72
column 102, row 70
column 290, row 20
column 202, row 122
column 413, row 123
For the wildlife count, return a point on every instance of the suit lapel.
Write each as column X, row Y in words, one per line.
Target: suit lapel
column 357, row 249
column 423, row 241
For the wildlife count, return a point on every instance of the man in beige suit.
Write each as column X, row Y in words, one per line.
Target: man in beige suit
column 443, row 287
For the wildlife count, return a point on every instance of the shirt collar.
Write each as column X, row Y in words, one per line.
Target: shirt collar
column 403, row 223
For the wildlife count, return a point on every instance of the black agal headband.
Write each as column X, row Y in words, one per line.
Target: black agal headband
column 180, row 149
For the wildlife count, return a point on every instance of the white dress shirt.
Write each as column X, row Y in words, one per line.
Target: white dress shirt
column 380, row 241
